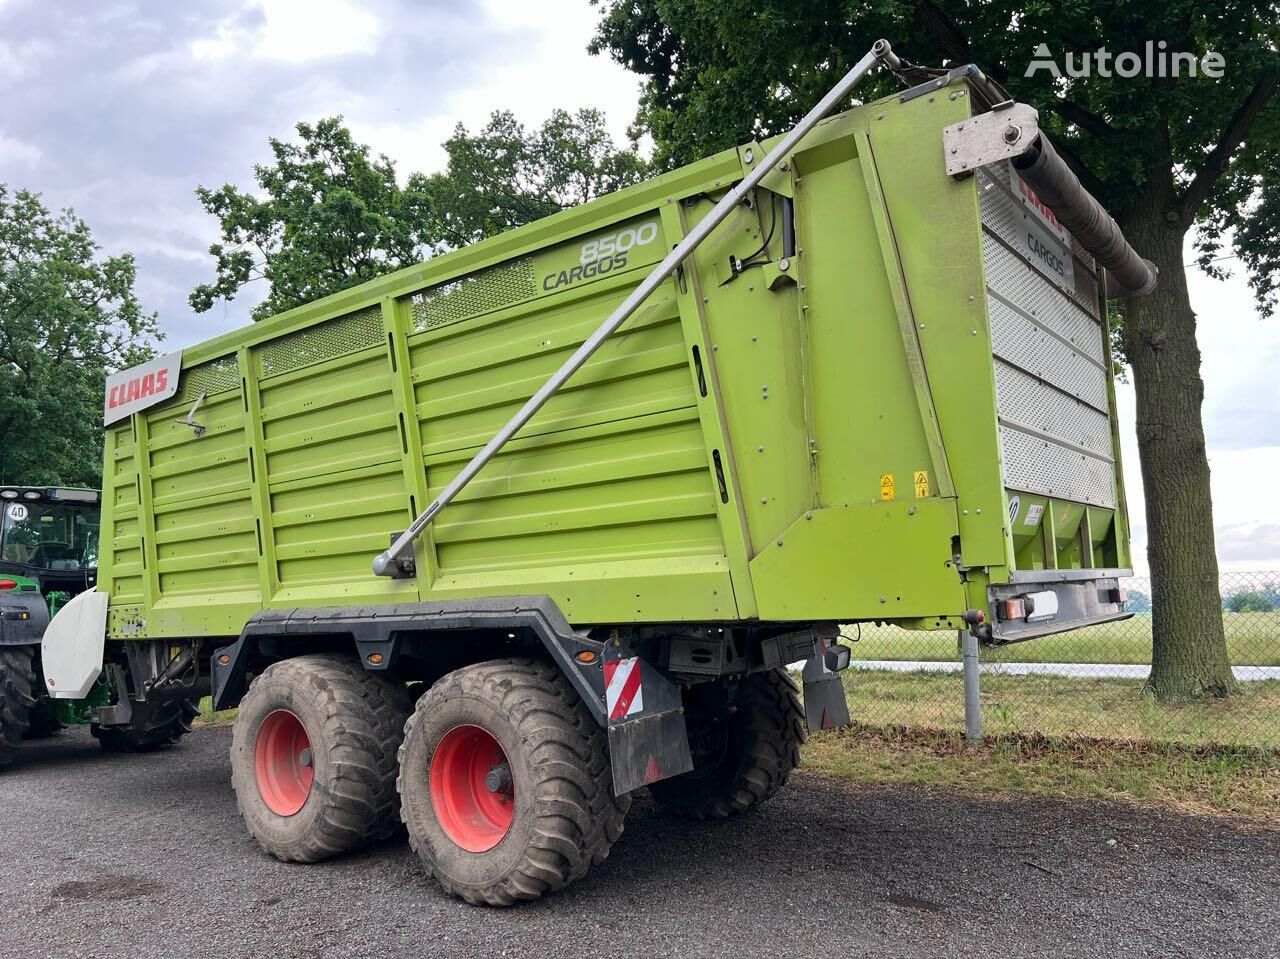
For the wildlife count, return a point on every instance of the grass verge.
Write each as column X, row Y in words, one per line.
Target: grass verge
column 1238, row 782
column 1119, row 710
column 1253, row 639
column 208, row 717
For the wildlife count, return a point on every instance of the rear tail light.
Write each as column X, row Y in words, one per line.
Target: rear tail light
column 8, row 584
column 1012, row 609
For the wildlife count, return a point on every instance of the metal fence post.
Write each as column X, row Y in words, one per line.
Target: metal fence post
column 972, row 706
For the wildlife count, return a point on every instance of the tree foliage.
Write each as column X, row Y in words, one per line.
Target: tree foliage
column 505, row 176
column 326, row 215
column 68, row 316
column 721, row 72
column 1264, row 600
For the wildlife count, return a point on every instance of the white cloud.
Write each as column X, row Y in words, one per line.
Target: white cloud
column 1248, row 546
column 293, row 31
column 19, row 58
column 16, row 153
column 533, row 60
column 1240, row 352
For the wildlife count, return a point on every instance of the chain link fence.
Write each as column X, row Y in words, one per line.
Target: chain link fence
column 1088, row 683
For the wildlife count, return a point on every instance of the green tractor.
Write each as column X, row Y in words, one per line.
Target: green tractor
column 48, row 554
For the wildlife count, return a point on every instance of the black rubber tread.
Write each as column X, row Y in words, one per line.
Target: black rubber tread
column 43, row 721
column 17, row 698
column 567, row 816
column 162, row 731
column 355, row 720
column 766, row 731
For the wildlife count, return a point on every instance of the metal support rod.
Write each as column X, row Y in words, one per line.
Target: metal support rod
column 385, row 563
column 972, row 705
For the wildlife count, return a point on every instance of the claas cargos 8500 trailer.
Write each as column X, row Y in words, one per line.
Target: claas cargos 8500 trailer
column 583, row 490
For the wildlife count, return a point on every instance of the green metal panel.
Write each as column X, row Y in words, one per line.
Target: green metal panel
column 757, row 360
column 264, row 529
column 814, row 440
column 935, row 220
column 718, row 447
column 610, row 480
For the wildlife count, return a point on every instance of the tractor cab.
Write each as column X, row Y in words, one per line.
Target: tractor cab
column 50, row 535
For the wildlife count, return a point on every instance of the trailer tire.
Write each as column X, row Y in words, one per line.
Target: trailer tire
column 756, row 745
column 165, row 725
column 313, row 756
column 17, row 698
column 556, row 814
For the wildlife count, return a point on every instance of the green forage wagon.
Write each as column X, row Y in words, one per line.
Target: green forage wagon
column 490, row 543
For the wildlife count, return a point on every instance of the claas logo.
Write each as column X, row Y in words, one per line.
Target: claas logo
column 138, row 388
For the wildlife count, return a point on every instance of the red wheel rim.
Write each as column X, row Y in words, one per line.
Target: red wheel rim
column 283, row 763
column 471, row 789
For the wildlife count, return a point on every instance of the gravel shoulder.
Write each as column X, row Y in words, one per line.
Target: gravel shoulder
column 106, row 856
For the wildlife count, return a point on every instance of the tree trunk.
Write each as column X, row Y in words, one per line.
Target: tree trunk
column 1189, row 650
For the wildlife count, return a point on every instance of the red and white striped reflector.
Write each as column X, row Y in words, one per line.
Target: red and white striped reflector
column 623, row 695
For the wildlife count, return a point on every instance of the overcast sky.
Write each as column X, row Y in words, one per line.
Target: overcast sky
column 120, row 109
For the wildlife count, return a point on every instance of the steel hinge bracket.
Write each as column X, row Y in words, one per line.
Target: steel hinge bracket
column 989, row 138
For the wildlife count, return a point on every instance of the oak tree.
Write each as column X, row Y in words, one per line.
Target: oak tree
column 68, row 316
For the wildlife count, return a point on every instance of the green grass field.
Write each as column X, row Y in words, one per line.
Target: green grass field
column 1253, row 639
column 1118, row 710
column 1240, row 784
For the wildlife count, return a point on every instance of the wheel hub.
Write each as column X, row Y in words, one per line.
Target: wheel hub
column 283, row 763
column 472, row 791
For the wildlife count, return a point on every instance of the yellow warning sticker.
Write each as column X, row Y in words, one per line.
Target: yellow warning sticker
column 921, row 480
column 886, row 486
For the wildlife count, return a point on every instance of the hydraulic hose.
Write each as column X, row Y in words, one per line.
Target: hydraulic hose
column 1085, row 219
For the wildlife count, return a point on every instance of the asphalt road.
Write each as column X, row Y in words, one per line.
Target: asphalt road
column 106, row 856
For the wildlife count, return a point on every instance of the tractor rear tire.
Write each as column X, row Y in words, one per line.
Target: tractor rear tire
column 505, row 783
column 313, row 756
column 159, row 728
column 743, row 754
column 17, row 698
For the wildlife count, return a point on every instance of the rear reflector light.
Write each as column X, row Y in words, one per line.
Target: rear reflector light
column 74, row 495
column 1011, row 609
column 8, row 584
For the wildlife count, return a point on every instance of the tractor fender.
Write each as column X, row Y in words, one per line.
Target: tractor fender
column 71, row 651
column 23, row 618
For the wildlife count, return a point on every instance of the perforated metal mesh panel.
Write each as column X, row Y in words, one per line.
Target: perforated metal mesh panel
column 1086, row 289
column 1026, row 401
column 1014, row 283
column 1082, row 256
column 216, row 376
column 347, row 334
column 482, row 292
column 1034, row 464
column 1022, row 342
column 1050, row 361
